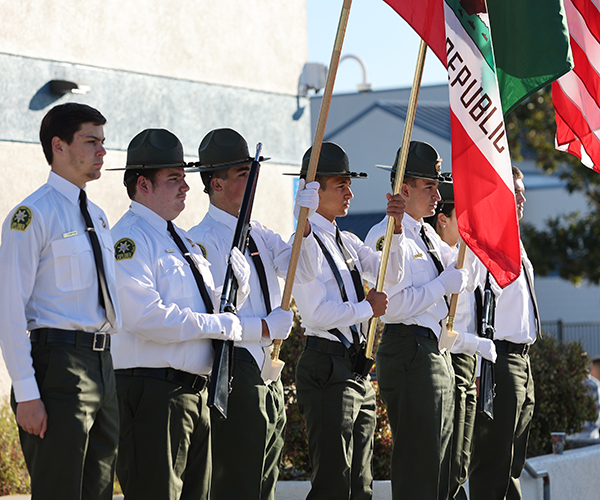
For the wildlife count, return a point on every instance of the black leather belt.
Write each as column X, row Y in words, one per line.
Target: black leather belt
column 401, row 329
column 242, row 354
column 98, row 341
column 508, row 347
column 325, row 346
column 195, row 382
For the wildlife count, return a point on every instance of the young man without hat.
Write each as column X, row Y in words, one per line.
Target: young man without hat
column 164, row 355
column 247, row 446
column 335, row 396
column 500, row 445
column 56, row 260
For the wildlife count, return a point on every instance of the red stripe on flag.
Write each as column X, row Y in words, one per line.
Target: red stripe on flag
column 570, row 122
column 485, row 208
column 585, row 72
column 426, row 17
column 591, row 15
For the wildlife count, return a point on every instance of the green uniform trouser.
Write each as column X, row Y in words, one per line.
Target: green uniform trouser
column 340, row 416
column 416, row 383
column 246, row 448
column 164, row 447
column 465, row 406
column 500, row 445
column 76, row 458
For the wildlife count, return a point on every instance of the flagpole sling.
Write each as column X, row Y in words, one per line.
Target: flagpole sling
column 399, row 167
column 312, row 168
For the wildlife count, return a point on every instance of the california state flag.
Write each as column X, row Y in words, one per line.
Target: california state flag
column 481, row 165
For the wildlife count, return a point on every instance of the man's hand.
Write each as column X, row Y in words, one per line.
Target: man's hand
column 32, row 417
column 395, row 208
column 378, row 301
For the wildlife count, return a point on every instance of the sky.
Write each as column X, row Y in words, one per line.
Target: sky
column 385, row 43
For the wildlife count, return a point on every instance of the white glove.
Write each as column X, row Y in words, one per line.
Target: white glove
column 471, row 343
column 231, row 328
column 487, row 349
column 454, row 280
column 240, row 268
column 307, row 196
column 279, row 323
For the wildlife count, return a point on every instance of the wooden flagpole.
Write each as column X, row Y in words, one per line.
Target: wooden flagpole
column 399, row 167
column 312, row 166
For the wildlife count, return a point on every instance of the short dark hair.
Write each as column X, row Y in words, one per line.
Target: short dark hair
column 131, row 176
column 411, row 181
column 221, row 173
column 517, row 174
column 63, row 121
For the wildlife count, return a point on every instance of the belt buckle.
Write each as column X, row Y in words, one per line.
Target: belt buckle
column 97, row 337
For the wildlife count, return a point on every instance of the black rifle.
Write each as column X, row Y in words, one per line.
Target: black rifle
column 487, row 383
column 222, row 370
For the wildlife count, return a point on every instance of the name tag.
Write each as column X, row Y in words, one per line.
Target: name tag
column 170, row 250
column 69, row 234
column 418, row 256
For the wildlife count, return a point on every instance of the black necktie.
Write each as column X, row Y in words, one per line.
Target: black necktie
column 529, row 279
column 197, row 276
column 356, row 279
column 432, row 251
column 103, row 293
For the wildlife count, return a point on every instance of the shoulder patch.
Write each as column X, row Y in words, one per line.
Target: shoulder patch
column 379, row 245
column 203, row 250
column 124, row 249
column 21, row 219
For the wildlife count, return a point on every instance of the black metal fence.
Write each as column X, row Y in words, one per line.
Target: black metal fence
column 586, row 333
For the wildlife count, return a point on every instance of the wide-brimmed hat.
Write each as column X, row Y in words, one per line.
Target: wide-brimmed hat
column 333, row 161
column 154, row 148
column 222, row 148
column 423, row 162
column 446, row 189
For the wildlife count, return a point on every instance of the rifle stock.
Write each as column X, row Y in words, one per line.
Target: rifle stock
column 222, row 370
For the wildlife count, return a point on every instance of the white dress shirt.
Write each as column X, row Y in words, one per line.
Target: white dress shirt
column 215, row 236
column 320, row 302
column 165, row 323
column 49, row 275
column 417, row 299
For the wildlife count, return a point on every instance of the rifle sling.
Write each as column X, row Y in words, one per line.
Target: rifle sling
column 355, row 346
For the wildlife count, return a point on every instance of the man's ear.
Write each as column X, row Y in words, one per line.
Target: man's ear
column 216, row 184
column 143, row 185
column 405, row 192
column 57, row 145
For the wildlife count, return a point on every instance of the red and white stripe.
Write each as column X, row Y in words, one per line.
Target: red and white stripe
column 481, row 165
column 576, row 96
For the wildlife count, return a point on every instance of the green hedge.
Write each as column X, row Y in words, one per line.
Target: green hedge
column 562, row 402
column 14, row 478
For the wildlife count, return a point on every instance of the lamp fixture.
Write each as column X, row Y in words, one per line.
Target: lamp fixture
column 61, row 87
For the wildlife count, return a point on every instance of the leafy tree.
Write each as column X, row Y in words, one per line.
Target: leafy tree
column 568, row 244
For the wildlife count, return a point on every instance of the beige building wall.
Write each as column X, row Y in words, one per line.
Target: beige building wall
column 257, row 44
column 186, row 65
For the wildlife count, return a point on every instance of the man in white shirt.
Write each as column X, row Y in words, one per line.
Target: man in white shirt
column 247, row 446
column 416, row 380
column 59, row 284
column 335, row 396
column 500, row 445
column 164, row 354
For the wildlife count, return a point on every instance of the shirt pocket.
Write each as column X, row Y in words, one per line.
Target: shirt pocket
column 421, row 270
column 74, row 264
column 178, row 276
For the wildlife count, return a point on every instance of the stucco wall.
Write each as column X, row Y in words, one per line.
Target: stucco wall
column 258, row 44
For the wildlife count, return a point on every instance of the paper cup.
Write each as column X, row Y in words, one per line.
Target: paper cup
column 558, row 442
